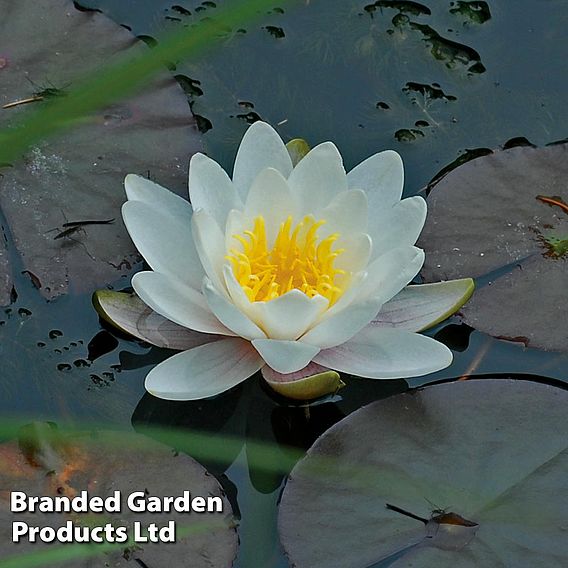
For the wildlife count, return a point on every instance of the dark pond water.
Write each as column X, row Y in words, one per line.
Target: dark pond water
column 433, row 81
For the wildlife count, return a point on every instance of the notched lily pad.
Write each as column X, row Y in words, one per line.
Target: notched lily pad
column 78, row 176
column 503, row 219
column 462, row 475
column 46, row 462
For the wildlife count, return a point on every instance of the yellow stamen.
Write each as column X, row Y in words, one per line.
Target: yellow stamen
column 298, row 260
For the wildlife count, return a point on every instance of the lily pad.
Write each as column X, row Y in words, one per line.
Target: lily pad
column 461, row 475
column 503, row 219
column 45, row 46
column 46, row 462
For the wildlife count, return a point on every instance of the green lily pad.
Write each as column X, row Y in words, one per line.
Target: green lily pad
column 45, row 45
column 503, row 219
column 46, row 462
column 462, row 475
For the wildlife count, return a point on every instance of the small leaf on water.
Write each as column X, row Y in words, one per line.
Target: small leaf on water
column 557, row 246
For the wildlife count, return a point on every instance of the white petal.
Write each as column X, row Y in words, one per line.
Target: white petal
column 398, row 226
column 180, row 304
column 128, row 313
column 228, row 314
column 211, row 189
column 285, row 356
column 343, row 325
column 382, row 177
column 260, row 148
column 318, row 178
column 350, row 295
column 391, row 272
column 347, row 213
column 204, row 371
column 421, row 306
column 158, row 197
column 271, row 198
column 165, row 241
column 382, row 279
column 380, row 353
column 236, row 292
column 289, row 315
column 309, row 370
column 357, row 249
column 210, row 245
column 236, row 225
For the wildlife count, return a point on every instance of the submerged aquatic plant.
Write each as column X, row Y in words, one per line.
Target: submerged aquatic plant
column 294, row 270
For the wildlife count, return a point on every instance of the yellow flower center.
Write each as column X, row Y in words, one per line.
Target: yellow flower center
column 297, row 260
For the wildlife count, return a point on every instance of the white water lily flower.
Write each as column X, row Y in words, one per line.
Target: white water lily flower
column 293, row 269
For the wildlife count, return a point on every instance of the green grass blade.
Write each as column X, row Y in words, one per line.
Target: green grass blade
column 121, row 79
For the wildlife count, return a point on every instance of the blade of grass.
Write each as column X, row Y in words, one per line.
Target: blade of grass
column 122, row 78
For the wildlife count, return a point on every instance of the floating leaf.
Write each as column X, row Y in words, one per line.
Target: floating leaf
column 79, row 176
column 461, row 475
column 47, row 462
column 502, row 218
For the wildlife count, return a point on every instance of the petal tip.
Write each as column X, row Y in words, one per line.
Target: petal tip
column 393, row 155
